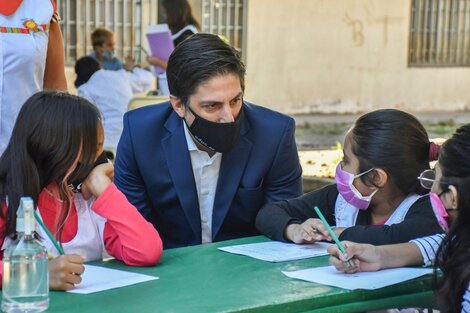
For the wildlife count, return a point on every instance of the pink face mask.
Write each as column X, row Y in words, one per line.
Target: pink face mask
column 439, row 210
column 344, row 183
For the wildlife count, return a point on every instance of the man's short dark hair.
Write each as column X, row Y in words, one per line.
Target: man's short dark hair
column 198, row 59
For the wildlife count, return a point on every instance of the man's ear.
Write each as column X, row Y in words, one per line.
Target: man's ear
column 454, row 197
column 178, row 106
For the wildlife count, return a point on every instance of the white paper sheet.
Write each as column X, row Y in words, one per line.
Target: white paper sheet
column 276, row 251
column 366, row 280
column 96, row 279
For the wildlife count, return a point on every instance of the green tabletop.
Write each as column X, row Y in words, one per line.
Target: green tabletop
column 204, row 279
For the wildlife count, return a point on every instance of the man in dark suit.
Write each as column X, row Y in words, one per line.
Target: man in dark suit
column 202, row 165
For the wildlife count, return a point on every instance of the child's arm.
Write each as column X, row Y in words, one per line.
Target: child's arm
column 369, row 258
column 420, row 221
column 127, row 235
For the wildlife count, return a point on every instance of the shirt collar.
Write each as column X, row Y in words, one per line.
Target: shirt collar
column 189, row 140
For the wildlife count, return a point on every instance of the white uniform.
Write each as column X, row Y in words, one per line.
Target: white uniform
column 22, row 60
column 111, row 92
column 88, row 241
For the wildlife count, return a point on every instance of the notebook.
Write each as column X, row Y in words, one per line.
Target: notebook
column 160, row 43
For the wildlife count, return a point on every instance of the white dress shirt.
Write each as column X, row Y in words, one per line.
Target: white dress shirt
column 206, row 174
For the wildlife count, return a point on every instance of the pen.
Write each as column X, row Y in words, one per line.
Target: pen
column 331, row 232
column 54, row 242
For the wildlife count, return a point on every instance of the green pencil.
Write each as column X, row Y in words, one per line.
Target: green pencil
column 331, row 232
column 43, row 226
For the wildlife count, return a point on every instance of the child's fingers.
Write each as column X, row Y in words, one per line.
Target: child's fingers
column 74, row 258
column 73, row 278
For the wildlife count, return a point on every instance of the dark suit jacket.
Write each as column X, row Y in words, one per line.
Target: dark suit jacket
column 153, row 169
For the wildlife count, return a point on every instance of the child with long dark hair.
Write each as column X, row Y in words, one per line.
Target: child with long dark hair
column 55, row 142
column 180, row 19
column 376, row 198
column 451, row 191
column 182, row 24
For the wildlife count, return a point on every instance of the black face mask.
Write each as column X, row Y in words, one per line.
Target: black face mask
column 81, row 172
column 218, row 137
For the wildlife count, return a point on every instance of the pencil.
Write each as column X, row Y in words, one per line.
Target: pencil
column 43, row 226
column 331, row 232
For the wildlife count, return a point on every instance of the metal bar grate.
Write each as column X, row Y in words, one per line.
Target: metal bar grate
column 226, row 18
column 439, row 33
column 124, row 17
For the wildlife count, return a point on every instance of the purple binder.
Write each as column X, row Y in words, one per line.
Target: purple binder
column 160, row 43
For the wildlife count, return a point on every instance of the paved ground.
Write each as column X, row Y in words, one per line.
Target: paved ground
column 320, row 131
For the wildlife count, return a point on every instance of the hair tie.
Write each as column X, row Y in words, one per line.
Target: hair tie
column 433, row 151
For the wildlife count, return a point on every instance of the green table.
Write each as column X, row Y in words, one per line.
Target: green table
column 204, row 279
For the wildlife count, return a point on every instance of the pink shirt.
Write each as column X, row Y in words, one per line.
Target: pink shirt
column 127, row 235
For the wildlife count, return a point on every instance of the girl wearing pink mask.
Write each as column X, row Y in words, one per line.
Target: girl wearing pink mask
column 450, row 189
column 376, row 199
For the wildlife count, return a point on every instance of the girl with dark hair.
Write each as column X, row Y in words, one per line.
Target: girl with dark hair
column 56, row 141
column 180, row 19
column 452, row 185
column 450, row 191
column 376, row 198
column 182, row 24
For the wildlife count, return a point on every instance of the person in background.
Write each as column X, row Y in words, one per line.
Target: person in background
column 111, row 92
column 450, row 189
column 376, row 198
column 182, row 24
column 200, row 166
column 32, row 57
column 104, row 42
column 52, row 156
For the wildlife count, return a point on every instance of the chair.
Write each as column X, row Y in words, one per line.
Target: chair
column 138, row 102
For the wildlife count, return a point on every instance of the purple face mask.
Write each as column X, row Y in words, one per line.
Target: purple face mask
column 439, row 210
column 344, row 182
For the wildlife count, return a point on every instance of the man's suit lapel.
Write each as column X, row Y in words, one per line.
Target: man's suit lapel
column 231, row 170
column 179, row 165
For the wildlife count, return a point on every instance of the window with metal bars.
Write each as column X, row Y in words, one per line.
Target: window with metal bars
column 439, row 33
column 227, row 18
column 129, row 18
column 126, row 18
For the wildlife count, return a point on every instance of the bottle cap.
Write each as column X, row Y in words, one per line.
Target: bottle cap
column 25, row 222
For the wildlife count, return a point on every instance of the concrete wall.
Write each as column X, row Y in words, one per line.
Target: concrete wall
column 337, row 56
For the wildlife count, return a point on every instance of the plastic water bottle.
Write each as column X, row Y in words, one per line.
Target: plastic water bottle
column 25, row 273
